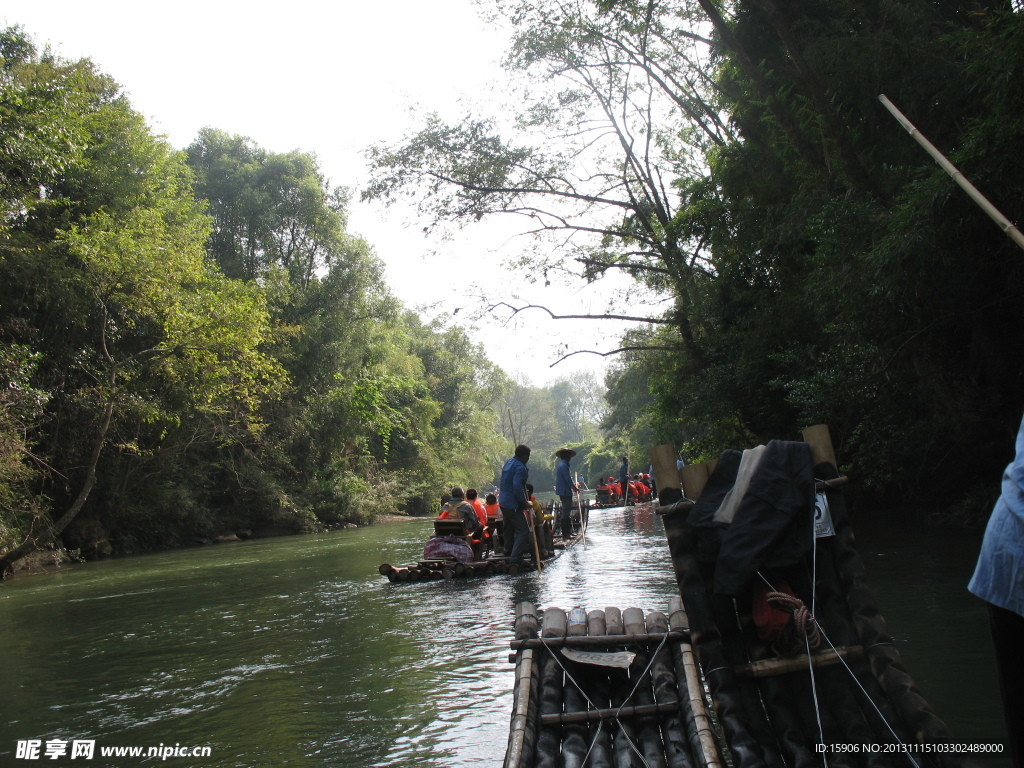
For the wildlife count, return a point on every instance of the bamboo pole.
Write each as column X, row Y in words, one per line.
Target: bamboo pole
column 532, row 520
column 666, row 474
column 593, row 715
column 574, row 732
column 820, row 440
column 602, row 642
column 699, row 728
column 673, row 732
column 648, row 732
column 993, row 213
column 623, row 739
column 597, row 690
column 522, row 731
column 695, row 477
column 771, row 667
column 553, row 625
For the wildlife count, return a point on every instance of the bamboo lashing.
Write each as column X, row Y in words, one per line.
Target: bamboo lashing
column 993, row 213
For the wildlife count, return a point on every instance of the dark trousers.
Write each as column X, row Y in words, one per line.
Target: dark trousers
column 565, row 516
column 517, row 534
column 1008, row 639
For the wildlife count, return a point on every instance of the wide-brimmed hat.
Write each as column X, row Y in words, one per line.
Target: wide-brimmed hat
column 565, row 453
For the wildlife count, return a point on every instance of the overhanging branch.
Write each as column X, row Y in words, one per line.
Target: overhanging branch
column 517, row 310
column 614, row 352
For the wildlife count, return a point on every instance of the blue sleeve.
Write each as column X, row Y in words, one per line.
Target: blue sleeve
column 519, row 478
column 564, row 477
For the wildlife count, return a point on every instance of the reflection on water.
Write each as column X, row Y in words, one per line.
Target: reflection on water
column 295, row 651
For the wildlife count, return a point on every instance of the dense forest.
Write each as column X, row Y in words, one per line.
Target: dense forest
column 193, row 345
column 799, row 258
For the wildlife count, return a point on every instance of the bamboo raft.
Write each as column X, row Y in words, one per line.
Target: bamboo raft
column 573, row 710
column 849, row 702
column 447, row 568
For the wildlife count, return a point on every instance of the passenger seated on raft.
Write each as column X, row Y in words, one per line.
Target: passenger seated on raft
column 483, row 537
column 458, row 508
column 494, row 522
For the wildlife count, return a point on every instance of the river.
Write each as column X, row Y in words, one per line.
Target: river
column 295, row 652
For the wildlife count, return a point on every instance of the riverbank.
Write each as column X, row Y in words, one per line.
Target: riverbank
column 49, row 561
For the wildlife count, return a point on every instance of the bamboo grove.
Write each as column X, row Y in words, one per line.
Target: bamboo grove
column 800, row 258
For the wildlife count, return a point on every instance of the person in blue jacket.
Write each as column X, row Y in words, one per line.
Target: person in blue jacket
column 564, row 489
column 999, row 581
column 515, row 505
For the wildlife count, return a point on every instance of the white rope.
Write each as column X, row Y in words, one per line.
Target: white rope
column 814, row 616
column 600, row 724
column 814, row 591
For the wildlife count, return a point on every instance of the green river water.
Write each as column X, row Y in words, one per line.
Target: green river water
column 296, row 652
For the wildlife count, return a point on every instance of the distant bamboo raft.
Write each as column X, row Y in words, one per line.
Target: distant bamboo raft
column 444, row 569
column 574, row 710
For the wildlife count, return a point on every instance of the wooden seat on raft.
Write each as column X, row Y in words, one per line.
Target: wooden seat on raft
column 450, row 527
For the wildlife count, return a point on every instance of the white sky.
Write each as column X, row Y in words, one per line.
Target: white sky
column 332, row 78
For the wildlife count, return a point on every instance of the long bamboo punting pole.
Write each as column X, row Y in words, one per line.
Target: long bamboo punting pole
column 673, row 732
column 554, row 624
column 993, row 213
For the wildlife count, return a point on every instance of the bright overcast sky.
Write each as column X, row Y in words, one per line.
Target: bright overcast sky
column 332, row 78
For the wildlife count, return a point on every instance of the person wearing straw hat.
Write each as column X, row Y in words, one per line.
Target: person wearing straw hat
column 564, row 489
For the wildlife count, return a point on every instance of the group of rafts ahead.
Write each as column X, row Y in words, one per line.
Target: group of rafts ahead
column 546, row 545
column 774, row 655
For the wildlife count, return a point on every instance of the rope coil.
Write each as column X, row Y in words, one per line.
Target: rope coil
column 805, row 627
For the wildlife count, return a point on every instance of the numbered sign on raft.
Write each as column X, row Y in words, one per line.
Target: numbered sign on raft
column 822, row 517
column 618, row 659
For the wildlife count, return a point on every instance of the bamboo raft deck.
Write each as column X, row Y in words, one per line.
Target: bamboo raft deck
column 848, row 703
column 570, row 712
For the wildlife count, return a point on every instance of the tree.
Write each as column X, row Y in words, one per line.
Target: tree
column 106, row 282
column 736, row 159
column 268, row 208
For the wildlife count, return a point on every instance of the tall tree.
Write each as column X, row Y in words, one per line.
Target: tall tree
column 105, row 280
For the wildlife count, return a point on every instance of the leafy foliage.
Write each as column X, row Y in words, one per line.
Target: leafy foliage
column 734, row 159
